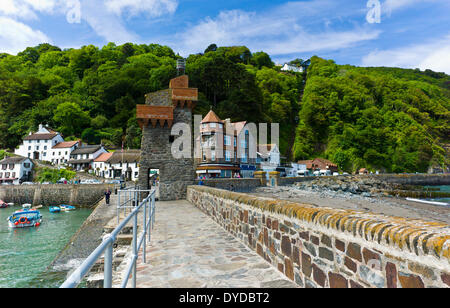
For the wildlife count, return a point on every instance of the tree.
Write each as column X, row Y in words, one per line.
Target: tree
column 71, row 118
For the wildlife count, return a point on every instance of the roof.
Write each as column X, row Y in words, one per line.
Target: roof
column 309, row 163
column 325, row 161
column 65, row 145
column 103, row 157
column 87, row 149
column 211, row 117
column 41, row 136
column 13, row 160
column 265, row 149
column 129, row 156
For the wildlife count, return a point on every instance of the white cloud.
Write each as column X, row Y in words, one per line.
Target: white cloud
column 133, row 7
column 16, row 36
column 431, row 55
column 103, row 16
column 281, row 31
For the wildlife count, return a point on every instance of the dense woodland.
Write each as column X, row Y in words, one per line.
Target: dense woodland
column 380, row 118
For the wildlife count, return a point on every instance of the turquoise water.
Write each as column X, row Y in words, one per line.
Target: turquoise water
column 26, row 253
column 445, row 188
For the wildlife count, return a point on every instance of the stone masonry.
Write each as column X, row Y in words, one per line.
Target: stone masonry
column 324, row 247
column 176, row 105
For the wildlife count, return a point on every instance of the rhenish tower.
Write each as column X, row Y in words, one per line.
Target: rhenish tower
column 161, row 111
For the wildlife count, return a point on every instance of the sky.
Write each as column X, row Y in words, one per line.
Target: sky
column 399, row 33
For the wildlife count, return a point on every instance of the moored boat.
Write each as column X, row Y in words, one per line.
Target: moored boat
column 67, row 208
column 26, row 206
column 54, row 209
column 25, row 218
column 3, row 204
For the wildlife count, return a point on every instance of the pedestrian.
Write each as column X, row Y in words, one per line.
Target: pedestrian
column 107, row 196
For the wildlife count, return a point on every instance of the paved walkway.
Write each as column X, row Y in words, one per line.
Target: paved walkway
column 189, row 250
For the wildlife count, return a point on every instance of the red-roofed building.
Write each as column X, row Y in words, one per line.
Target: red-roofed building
column 218, row 151
column 319, row 164
column 61, row 151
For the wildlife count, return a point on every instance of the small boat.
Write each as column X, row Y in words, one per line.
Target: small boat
column 54, row 209
column 3, row 204
column 67, row 208
column 26, row 206
column 24, row 219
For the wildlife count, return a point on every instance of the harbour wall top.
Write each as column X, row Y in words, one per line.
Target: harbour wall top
column 325, row 247
column 80, row 195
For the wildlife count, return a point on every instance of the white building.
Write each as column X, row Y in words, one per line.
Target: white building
column 83, row 157
column 61, row 152
column 268, row 156
column 15, row 170
column 114, row 165
column 101, row 166
column 292, row 68
column 39, row 145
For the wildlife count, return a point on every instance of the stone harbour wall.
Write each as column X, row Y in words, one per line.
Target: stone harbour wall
column 48, row 195
column 330, row 248
column 237, row 185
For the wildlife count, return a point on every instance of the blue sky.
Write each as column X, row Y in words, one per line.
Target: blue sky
column 410, row 34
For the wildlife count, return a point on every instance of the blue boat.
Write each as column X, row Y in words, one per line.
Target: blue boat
column 67, row 208
column 54, row 209
column 25, row 218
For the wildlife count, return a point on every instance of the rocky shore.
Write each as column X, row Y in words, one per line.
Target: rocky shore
column 370, row 186
column 366, row 195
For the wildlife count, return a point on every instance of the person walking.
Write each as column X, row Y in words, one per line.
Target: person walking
column 107, row 196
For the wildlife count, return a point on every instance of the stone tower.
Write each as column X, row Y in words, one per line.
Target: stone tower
column 161, row 111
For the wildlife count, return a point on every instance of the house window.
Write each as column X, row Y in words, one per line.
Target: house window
column 45, row 154
column 204, row 157
column 29, row 148
column 213, row 155
column 204, row 126
column 13, row 175
column 1, row 174
column 4, row 167
column 7, row 174
column 212, row 125
column 227, row 140
column 26, row 165
column 45, row 147
column 220, row 125
column 11, row 166
column 37, row 148
column 227, row 156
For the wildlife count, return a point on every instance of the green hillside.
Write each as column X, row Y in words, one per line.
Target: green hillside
column 382, row 118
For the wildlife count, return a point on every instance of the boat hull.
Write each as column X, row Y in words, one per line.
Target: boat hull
column 21, row 226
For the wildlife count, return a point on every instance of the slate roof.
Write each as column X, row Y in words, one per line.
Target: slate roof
column 87, row 149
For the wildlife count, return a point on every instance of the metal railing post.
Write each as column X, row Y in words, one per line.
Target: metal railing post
column 135, row 252
column 107, row 282
column 145, row 233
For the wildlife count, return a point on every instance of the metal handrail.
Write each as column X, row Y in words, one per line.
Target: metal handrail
column 106, row 247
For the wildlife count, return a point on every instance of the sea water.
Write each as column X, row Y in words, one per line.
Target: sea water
column 26, row 253
column 445, row 188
